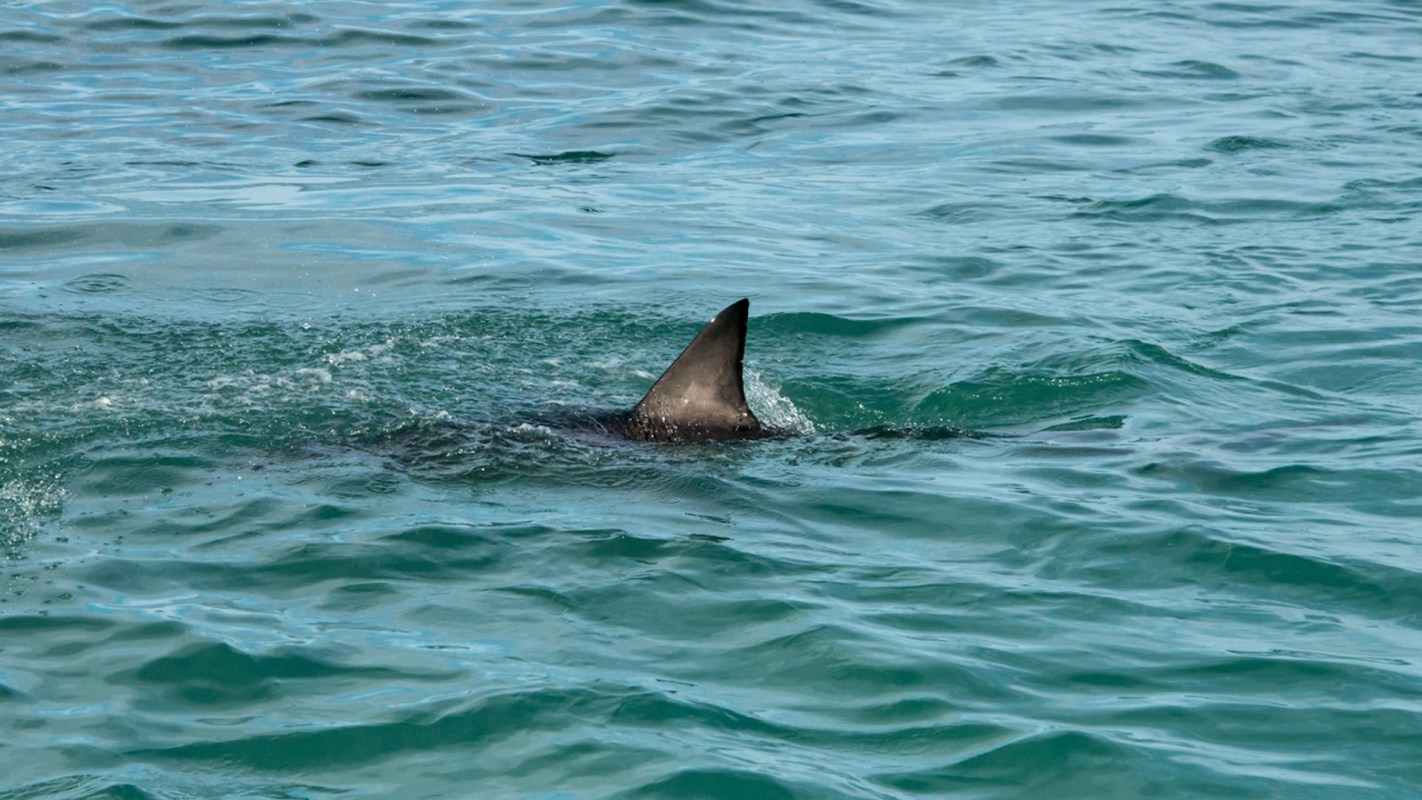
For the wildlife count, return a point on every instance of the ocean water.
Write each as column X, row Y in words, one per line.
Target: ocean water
column 1100, row 325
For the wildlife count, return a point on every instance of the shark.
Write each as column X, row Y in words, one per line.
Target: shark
column 701, row 397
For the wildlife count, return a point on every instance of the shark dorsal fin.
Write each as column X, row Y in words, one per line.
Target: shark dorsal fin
column 701, row 395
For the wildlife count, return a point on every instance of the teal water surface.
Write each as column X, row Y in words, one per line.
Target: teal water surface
column 1098, row 324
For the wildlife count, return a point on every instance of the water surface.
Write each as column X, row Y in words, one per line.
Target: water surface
column 293, row 297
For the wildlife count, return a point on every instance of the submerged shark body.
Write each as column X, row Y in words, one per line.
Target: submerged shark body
column 701, row 396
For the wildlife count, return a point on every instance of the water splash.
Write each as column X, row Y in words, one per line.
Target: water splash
column 774, row 409
column 25, row 503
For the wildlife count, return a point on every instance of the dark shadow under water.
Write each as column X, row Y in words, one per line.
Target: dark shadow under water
column 576, row 443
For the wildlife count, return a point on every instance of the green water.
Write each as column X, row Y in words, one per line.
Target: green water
column 1098, row 326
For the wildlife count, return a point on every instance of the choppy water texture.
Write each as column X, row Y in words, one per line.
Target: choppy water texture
column 296, row 302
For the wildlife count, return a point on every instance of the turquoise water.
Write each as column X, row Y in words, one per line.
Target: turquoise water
column 1099, row 324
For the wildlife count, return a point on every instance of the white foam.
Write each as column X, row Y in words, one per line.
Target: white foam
column 24, row 503
column 774, row 409
column 530, row 433
column 359, row 354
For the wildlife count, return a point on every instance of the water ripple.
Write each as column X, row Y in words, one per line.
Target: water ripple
column 1097, row 329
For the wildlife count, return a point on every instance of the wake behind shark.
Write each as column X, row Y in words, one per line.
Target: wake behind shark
column 701, row 396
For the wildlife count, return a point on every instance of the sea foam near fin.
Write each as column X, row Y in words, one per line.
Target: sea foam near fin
column 774, row 409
